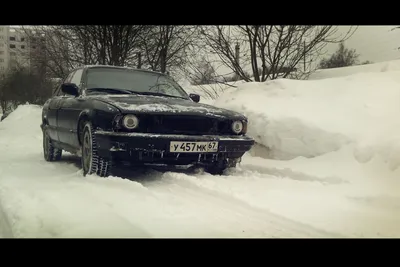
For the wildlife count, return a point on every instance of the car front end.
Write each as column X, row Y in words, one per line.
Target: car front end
column 173, row 140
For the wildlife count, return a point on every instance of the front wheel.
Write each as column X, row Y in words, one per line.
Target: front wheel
column 218, row 168
column 92, row 163
column 215, row 170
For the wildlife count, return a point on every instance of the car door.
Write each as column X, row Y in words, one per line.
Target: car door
column 69, row 112
column 52, row 114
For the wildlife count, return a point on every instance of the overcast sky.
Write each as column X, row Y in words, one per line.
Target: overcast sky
column 373, row 43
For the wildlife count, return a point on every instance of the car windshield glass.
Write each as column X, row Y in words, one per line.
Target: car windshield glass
column 134, row 81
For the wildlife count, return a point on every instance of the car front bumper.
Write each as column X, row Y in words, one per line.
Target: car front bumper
column 155, row 148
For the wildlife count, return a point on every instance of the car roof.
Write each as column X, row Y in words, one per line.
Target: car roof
column 120, row 67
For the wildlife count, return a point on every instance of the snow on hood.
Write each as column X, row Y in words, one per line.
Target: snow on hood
column 163, row 105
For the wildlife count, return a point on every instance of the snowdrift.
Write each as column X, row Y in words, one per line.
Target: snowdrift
column 292, row 118
column 22, row 120
column 209, row 92
column 393, row 65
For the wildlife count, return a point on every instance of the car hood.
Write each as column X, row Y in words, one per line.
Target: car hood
column 165, row 105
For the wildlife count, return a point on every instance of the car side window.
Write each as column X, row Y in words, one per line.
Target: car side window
column 59, row 92
column 69, row 77
column 76, row 78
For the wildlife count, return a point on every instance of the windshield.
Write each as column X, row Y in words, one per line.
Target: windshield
column 134, row 81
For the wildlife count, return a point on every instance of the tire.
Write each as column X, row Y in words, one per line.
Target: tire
column 91, row 162
column 218, row 168
column 215, row 170
column 49, row 151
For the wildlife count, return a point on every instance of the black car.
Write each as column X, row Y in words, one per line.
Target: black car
column 111, row 115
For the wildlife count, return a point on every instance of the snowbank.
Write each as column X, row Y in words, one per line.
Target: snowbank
column 209, row 92
column 393, row 65
column 17, row 122
column 291, row 118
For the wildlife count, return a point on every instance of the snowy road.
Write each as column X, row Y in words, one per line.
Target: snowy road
column 42, row 199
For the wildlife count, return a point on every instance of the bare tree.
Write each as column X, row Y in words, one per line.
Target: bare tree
column 203, row 73
column 26, row 79
column 55, row 51
column 343, row 57
column 165, row 47
column 271, row 51
column 161, row 48
column 5, row 99
column 113, row 44
column 20, row 85
column 67, row 47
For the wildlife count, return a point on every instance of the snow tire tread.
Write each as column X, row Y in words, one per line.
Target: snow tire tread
column 53, row 153
column 100, row 166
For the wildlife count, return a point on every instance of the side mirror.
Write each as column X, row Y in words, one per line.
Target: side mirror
column 70, row 89
column 195, row 97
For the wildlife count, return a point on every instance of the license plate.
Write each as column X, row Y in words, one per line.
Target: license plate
column 193, row 147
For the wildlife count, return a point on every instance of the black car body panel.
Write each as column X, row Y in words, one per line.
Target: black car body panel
column 165, row 105
column 162, row 119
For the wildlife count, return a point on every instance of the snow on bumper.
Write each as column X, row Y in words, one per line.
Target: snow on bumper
column 125, row 143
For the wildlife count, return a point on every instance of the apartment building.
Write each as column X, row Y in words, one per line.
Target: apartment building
column 4, row 53
column 18, row 47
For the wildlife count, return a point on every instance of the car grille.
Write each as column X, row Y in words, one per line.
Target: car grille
column 189, row 125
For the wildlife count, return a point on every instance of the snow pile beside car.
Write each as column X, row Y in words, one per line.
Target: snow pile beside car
column 16, row 122
column 291, row 118
column 209, row 92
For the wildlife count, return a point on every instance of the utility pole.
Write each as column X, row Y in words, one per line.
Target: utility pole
column 237, row 57
column 237, row 53
column 304, row 56
column 139, row 55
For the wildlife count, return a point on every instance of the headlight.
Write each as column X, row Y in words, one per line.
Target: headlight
column 237, row 127
column 130, row 122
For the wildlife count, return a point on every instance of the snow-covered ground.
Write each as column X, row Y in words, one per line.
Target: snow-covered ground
column 325, row 166
column 41, row 199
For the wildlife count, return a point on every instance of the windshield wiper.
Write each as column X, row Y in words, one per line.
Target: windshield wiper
column 111, row 90
column 157, row 94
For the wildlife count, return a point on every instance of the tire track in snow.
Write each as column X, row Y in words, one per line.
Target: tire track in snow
column 186, row 193
column 5, row 226
column 285, row 173
column 101, row 194
column 62, row 206
column 265, row 223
